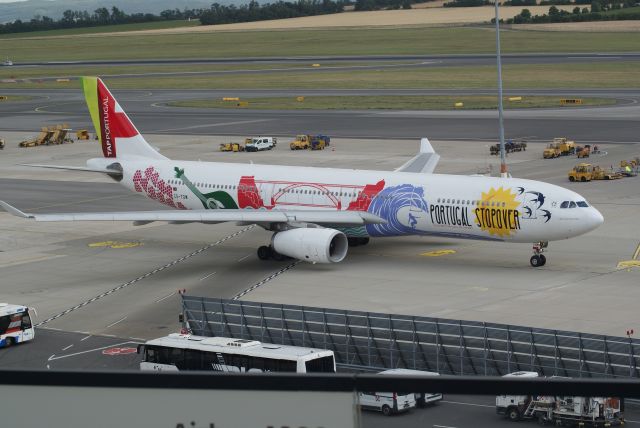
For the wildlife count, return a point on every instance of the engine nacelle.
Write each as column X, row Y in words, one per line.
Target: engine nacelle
column 312, row 245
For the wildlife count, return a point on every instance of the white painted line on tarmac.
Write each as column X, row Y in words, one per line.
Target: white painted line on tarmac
column 443, row 426
column 85, row 338
column 114, row 323
column 241, row 122
column 468, row 404
column 165, row 297
column 244, row 258
column 207, row 276
column 115, row 345
column 64, row 349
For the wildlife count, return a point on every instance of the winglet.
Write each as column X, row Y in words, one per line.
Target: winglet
column 13, row 210
column 424, row 162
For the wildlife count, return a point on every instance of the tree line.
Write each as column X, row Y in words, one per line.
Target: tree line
column 221, row 14
column 600, row 11
column 99, row 17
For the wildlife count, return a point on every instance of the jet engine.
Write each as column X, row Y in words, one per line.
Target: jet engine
column 313, row 245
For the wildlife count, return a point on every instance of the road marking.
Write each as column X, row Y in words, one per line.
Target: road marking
column 443, row 426
column 141, row 277
column 207, row 276
column 53, row 357
column 265, row 280
column 468, row 404
column 438, row 253
column 165, row 297
column 64, row 349
column 85, row 338
column 241, row 122
column 114, row 323
column 243, row 258
column 115, row 244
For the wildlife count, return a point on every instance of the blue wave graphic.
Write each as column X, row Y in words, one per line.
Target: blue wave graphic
column 388, row 202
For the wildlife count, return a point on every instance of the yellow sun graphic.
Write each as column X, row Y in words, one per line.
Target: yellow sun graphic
column 497, row 213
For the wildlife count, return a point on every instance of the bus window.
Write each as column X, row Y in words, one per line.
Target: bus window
column 4, row 324
column 26, row 321
column 321, row 365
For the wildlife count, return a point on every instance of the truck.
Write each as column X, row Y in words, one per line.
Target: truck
column 560, row 410
column 260, row 143
column 509, row 147
column 232, row 147
column 587, row 172
column 313, row 142
column 551, row 151
column 566, row 147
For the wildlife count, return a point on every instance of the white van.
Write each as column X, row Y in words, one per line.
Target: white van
column 389, row 403
column 422, row 398
column 261, row 143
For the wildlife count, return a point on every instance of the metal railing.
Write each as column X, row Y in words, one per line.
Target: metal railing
column 372, row 341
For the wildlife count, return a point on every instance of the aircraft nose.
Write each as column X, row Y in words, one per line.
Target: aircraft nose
column 595, row 218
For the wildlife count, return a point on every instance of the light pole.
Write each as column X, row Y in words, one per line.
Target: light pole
column 503, row 162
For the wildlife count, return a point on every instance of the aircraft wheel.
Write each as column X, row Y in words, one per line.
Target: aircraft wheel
column 543, row 260
column 535, row 261
column 264, row 252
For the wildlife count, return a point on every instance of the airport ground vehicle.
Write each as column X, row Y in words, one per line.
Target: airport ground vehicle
column 231, row 147
column 260, row 143
column 422, row 398
column 588, row 172
column 82, row 134
column 178, row 352
column 313, row 142
column 57, row 134
column 560, row 410
column 15, row 324
column 509, row 147
column 389, row 403
column 560, row 146
column 1, row 143
column 583, row 152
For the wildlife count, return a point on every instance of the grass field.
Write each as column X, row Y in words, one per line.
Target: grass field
column 158, row 25
column 470, row 102
column 303, row 42
column 578, row 75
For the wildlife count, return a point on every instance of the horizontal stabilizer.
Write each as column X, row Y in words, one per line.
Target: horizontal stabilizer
column 424, row 162
column 351, row 218
column 74, row 168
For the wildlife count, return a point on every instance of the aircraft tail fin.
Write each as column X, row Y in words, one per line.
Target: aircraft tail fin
column 118, row 136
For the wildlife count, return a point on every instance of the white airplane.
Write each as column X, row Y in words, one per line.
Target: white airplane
column 317, row 213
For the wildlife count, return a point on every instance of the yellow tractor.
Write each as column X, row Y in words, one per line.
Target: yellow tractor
column 552, row 151
column 231, row 147
column 82, row 134
column 583, row 152
column 566, row 147
column 587, row 172
column 302, row 142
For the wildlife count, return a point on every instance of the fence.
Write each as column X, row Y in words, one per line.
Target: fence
column 371, row 341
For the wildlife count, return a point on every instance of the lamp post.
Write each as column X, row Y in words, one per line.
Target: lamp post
column 503, row 162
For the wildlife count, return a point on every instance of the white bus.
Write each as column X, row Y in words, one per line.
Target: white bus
column 177, row 352
column 15, row 325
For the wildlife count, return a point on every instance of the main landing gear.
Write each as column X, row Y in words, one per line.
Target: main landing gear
column 355, row 241
column 268, row 253
column 538, row 259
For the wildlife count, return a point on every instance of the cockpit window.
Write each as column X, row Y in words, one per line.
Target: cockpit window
column 572, row 204
column 582, row 204
column 565, row 204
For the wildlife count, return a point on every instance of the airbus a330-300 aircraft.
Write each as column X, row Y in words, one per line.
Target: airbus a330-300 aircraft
column 317, row 213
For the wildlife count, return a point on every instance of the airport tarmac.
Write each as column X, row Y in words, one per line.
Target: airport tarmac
column 120, row 280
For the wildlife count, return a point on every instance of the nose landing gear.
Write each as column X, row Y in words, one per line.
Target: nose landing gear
column 538, row 259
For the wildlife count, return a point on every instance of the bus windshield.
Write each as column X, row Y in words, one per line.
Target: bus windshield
column 321, row 365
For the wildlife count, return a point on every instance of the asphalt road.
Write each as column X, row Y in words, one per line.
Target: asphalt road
column 149, row 112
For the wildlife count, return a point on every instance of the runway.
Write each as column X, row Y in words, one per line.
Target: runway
column 150, row 113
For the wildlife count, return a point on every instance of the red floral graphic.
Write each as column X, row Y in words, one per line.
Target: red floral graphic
column 150, row 183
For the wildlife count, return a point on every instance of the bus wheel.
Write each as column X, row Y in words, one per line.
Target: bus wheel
column 8, row 342
column 386, row 410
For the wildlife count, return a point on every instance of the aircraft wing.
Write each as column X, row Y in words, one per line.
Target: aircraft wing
column 424, row 162
column 348, row 218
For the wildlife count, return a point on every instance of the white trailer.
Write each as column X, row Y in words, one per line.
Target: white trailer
column 560, row 410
